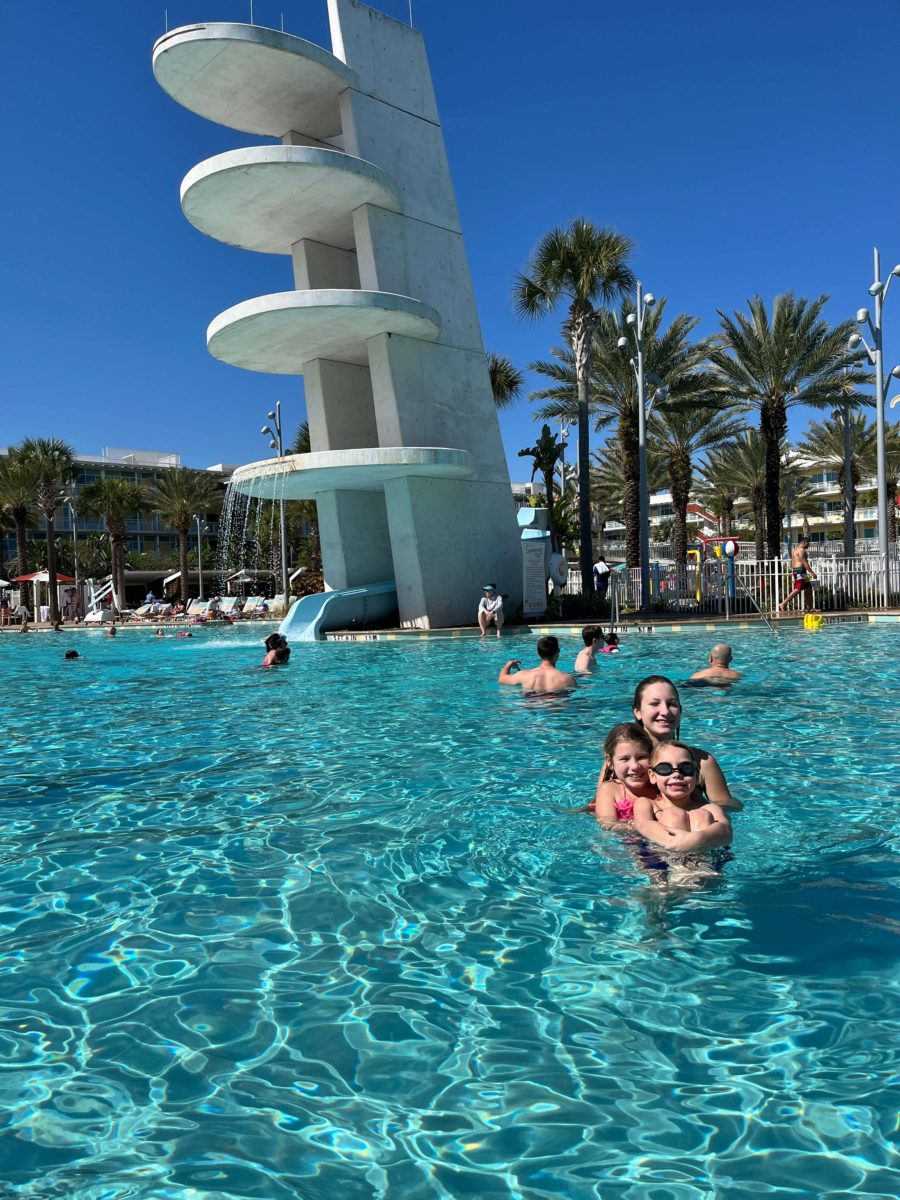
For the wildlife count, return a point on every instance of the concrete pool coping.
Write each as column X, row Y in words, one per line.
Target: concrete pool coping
column 630, row 625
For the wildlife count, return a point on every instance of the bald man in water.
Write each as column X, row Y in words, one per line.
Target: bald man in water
column 719, row 669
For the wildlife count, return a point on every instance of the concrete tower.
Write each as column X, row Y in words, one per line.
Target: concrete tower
column 407, row 466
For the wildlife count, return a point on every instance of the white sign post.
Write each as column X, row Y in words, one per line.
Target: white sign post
column 534, row 578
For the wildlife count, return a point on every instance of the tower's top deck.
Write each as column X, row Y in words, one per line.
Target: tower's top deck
column 257, row 80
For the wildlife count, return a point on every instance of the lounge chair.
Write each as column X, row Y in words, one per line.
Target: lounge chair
column 196, row 610
column 255, row 606
column 229, row 606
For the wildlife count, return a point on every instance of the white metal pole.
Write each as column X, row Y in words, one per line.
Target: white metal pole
column 879, row 432
column 644, row 523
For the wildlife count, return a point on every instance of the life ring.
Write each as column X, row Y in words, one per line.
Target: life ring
column 813, row 621
column 559, row 569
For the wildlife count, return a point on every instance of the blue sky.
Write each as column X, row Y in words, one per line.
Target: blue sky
column 745, row 147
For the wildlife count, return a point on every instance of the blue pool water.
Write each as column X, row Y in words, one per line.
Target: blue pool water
column 333, row 931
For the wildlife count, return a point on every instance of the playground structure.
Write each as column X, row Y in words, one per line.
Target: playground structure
column 406, row 465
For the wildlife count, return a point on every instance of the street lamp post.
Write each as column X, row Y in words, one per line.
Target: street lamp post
column 277, row 444
column 636, row 321
column 875, row 354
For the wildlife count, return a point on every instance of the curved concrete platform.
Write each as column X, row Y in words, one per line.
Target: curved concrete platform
column 278, row 334
column 253, row 79
column 304, row 476
column 267, row 197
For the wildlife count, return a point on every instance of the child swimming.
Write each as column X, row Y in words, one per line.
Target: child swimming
column 625, row 776
column 679, row 817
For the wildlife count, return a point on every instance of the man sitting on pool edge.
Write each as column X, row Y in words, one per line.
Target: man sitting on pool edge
column 490, row 609
column 543, row 678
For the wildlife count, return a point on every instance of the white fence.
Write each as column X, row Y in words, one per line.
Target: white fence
column 756, row 585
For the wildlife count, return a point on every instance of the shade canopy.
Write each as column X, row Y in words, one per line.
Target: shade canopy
column 44, row 577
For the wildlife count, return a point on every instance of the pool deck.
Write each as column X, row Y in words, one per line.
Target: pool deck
column 634, row 623
column 631, row 624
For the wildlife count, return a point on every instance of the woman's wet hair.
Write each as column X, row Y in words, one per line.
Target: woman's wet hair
column 628, row 731
column 648, row 682
column 275, row 641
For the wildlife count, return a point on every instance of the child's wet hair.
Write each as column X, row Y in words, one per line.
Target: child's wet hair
column 628, row 731
column 670, row 744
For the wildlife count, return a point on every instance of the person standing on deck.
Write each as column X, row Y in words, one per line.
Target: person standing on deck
column 801, row 573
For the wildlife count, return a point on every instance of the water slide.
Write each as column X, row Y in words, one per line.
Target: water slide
column 349, row 608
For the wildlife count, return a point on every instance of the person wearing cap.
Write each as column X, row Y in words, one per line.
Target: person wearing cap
column 490, row 609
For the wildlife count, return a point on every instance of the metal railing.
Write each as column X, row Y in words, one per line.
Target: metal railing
column 707, row 589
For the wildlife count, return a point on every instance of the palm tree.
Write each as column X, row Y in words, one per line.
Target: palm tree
column 579, row 266
column 115, row 500
column 716, row 491
column 51, row 463
column 678, row 433
column 547, row 453
column 892, row 470
column 744, row 462
column 16, row 498
column 823, row 445
column 796, row 358
column 507, row 381
column 178, row 495
column 307, row 509
column 671, row 359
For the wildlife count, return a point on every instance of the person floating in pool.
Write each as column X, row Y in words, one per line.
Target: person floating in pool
column 679, row 818
column 719, row 672
column 545, row 677
column 111, row 632
column 490, row 609
column 277, row 650
column 657, row 709
column 801, row 573
column 625, row 775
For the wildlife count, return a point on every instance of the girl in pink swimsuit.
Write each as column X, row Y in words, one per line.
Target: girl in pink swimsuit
column 625, row 775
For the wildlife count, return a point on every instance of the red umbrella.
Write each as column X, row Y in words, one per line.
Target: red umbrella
column 43, row 577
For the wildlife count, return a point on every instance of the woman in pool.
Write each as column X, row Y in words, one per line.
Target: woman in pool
column 625, row 776
column 657, row 709
column 277, row 650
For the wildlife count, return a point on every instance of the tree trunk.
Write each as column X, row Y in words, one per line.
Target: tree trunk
column 680, row 479
column 51, row 570
column 22, row 545
column 631, row 495
column 580, row 325
column 551, row 523
column 773, row 427
column 183, row 563
column 114, row 567
column 727, row 515
column 120, row 576
column 759, row 519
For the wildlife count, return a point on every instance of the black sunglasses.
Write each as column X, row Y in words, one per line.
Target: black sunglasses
column 687, row 769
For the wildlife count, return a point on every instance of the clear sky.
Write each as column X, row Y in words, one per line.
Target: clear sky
column 745, row 147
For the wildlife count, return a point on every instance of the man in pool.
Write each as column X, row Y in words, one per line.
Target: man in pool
column 719, row 672
column 544, row 678
column 592, row 636
column 801, row 573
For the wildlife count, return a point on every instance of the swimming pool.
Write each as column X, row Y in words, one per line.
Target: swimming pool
column 333, row 931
